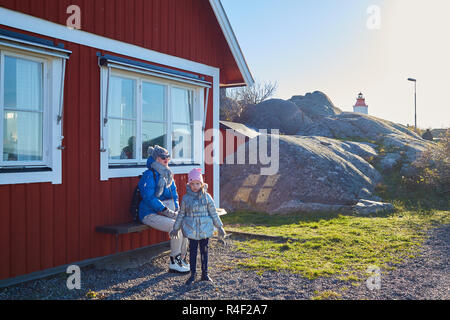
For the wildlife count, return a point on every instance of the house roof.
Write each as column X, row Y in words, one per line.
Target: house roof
column 239, row 128
column 232, row 43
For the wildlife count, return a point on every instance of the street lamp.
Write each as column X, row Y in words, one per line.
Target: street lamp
column 415, row 103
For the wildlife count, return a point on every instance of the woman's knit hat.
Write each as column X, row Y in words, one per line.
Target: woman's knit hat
column 158, row 151
column 195, row 175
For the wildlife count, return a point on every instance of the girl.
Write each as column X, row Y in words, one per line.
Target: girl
column 197, row 218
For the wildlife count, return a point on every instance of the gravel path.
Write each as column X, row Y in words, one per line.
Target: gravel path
column 425, row 277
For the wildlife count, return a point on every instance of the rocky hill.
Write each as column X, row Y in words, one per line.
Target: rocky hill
column 329, row 159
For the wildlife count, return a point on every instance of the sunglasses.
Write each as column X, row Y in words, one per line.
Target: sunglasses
column 165, row 157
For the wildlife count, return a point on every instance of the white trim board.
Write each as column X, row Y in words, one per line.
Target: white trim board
column 37, row 25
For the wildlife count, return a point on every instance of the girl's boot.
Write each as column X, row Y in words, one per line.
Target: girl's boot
column 191, row 279
column 205, row 277
column 204, row 259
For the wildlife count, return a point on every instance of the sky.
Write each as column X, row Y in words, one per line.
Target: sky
column 343, row 47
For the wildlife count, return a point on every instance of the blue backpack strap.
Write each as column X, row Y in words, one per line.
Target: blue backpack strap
column 154, row 176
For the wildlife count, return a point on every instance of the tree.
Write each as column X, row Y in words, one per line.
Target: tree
column 257, row 93
column 229, row 109
column 236, row 100
column 433, row 166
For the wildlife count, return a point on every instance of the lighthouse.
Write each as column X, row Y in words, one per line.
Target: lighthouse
column 361, row 105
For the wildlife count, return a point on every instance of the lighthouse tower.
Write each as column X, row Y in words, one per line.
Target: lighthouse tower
column 361, row 105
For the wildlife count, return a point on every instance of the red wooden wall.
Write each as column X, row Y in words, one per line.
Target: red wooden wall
column 182, row 28
column 44, row 225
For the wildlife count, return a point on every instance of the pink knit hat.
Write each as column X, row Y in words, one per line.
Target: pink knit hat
column 195, row 175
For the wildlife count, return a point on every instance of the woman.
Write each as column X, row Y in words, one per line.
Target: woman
column 157, row 186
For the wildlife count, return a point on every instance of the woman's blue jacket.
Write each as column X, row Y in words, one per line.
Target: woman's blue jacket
column 151, row 204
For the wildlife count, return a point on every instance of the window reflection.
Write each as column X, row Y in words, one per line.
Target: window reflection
column 182, row 115
column 182, row 103
column 122, row 118
column 23, row 110
column 152, row 134
column 153, row 116
column 182, row 142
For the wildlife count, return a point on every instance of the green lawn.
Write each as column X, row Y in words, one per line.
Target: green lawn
column 330, row 244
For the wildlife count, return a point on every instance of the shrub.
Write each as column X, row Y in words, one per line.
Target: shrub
column 433, row 166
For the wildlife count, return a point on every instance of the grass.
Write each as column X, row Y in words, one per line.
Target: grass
column 344, row 246
column 326, row 295
column 331, row 244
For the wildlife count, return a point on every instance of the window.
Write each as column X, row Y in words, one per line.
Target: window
column 23, row 111
column 141, row 111
column 30, row 134
column 153, row 116
column 182, row 101
column 122, row 120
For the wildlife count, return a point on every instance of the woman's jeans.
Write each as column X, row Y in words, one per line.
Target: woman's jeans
column 193, row 245
column 163, row 223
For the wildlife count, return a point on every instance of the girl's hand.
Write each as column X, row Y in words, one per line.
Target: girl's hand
column 221, row 232
column 173, row 234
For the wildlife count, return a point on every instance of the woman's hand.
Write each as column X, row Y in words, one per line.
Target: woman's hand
column 169, row 213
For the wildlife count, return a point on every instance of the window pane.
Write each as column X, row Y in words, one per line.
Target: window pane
column 182, row 141
column 152, row 134
column 23, row 84
column 182, row 103
column 122, row 139
column 22, row 136
column 121, row 98
column 152, row 102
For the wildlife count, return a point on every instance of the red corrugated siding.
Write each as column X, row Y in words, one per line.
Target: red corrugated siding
column 182, row 28
column 5, row 231
column 44, row 225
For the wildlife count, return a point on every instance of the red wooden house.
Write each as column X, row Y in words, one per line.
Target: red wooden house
column 81, row 106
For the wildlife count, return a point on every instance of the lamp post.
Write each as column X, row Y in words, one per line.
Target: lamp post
column 415, row 103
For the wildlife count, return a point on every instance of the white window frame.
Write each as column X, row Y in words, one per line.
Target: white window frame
column 50, row 168
column 115, row 169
